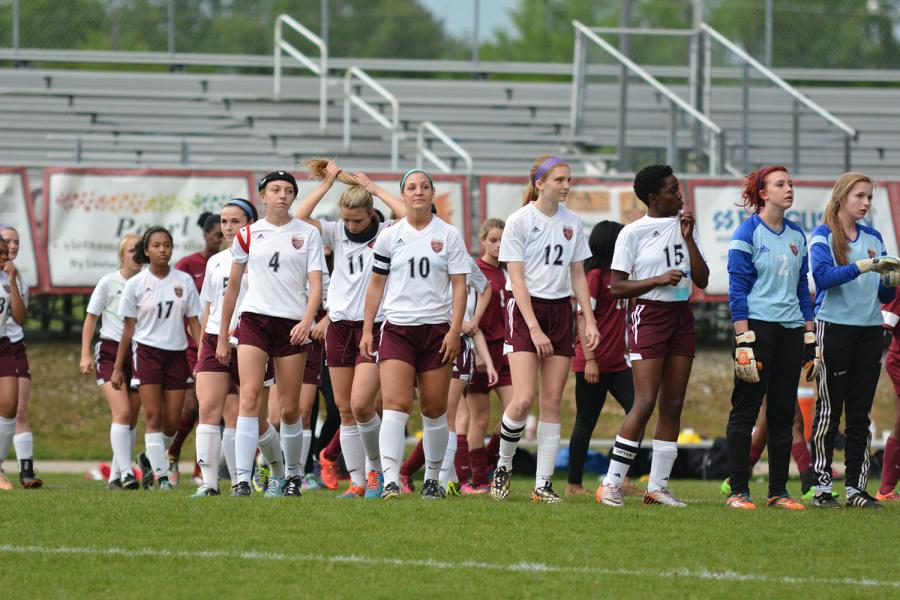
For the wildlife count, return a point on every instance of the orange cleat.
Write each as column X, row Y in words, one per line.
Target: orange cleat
column 329, row 472
column 785, row 502
column 892, row 496
column 5, row 483
column 740, row 501
column 354, row 491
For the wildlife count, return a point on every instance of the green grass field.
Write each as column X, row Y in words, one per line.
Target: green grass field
column 75, row 539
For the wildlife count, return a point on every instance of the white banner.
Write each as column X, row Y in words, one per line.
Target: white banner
column 86, row 214
column 718, row 216
column 14, row 212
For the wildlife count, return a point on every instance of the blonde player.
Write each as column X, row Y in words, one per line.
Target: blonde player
column 13, row 310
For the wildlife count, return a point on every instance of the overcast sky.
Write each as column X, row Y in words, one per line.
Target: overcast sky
column 457, row 15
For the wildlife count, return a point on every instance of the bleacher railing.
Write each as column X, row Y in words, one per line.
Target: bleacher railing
column 424, row 151
column 320, row 69
column 351, row 98
column 799, row 99
column 716, row 143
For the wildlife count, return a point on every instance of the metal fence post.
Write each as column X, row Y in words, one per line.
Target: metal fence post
column 578, row 67
column 672, row 150
column 847, row 153
column 795, row 137
column 15, row 24
column 624, row 162
column 745, row 118
column 170, row 16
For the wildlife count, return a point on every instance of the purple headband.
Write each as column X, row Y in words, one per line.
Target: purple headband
column 546, row 166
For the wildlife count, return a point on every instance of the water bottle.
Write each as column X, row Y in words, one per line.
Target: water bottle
column 683, row 289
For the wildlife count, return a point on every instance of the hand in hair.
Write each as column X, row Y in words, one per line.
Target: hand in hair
column 328, row 171
column 362, row 180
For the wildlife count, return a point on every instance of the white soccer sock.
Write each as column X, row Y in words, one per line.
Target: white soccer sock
column 168, row 439
column 664, row 455
column 209, row 442
column 368, row 435
column 548, row 447
column 448, row 472
column 354, row 454
column 270, row 448
column 623, row 453
column 292, row 447
column 246, row 438
column 7, row 431
column 435, row 434
column 156, row 453
column 304, row 449
column 390, row 443
column 120, row 440
column 510, row 433
column 133, row 433
column 24, row 444
column 228, row 451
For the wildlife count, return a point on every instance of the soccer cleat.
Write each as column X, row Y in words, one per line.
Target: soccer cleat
column 391, row 491
column 892, row 496
column 5, row 483
column 431, row 490
column 740, row 501
column 261, row 475
column 241, row 488
column 311, row 481
column 545, row 494
column 27, row 478
column 354, row 491
column 114, row 485
column 664, row 497
column 172, row 470
column 374, row 484
column 785, row 502
column 610, row 495
column 452, row 488
column 406, row 484
column 863, row 500
column 825, row 500
column 164, row 484
column 203, row 491
column 275, row 488
column 129, row 482
column 292, row 486
column 500, row 484
column 146, row 471
column 726, row 488
column 467, row 489
column 330, row 473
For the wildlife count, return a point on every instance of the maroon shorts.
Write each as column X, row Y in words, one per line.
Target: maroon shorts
column 342, row 343
column 105, row 361
column 660, row 329
column 168, row 368
column 23, row 371
column 465, row 360
column 892, row 366
column 479, row 382
column 312, row 374
column 418, row 345
column 555, row 320
column 7, row 359
column 271, row 334
column 191, row 355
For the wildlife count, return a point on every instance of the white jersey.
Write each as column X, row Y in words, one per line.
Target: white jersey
column 351, row 274
column 104, row 303
column 546, row 246
column 14, row 331
column 279, row 259
column 159, row 307
column 475, row 284
column 6, row 319
column 218, row 270
column 651, row 246
column 418, row 265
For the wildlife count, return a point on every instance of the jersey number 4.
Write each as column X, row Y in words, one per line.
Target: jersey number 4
column 274, row 262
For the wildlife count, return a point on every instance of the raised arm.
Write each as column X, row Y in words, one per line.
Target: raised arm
column 306, row 207
column 394, row 203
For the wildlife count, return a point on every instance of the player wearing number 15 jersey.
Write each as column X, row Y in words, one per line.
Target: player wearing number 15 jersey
column 655, row 260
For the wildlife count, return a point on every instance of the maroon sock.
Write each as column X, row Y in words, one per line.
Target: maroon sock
column 890, row 469
column 333, row 449
column 185, row 426
column 493, row 449
column 800, row 452
column 461, row 460
column 478, row 458
column 414, row 461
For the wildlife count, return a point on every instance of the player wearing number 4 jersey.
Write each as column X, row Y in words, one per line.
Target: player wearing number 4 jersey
column 12, row 310
column 655, row 260
column 282, row 255
column 544, row 248
column 354, row 378
column 416, row 262
column 154, row 304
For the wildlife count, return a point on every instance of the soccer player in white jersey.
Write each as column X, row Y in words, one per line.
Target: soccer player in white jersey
column 416, row 260
column 24, row 440
column 13, row 310
column 217, row 383
column 282, row 256
column 154, row 305
column 124, row 405
column 354, row 378
column 544, row 248
column 655, row 260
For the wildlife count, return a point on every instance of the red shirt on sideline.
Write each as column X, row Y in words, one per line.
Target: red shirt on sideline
column 491, row 324
column 195, row 266
column 610, row 315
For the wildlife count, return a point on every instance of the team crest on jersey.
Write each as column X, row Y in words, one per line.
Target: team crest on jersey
column 794, row 249
column 568, row 232
column 297, row 242
column 178, row 291
column 437, row 244
column 872, row 252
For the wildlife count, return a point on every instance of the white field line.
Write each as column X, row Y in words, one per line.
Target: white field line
column 442, row 565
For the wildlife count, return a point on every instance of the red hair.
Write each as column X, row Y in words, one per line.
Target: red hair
column 754, row 184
